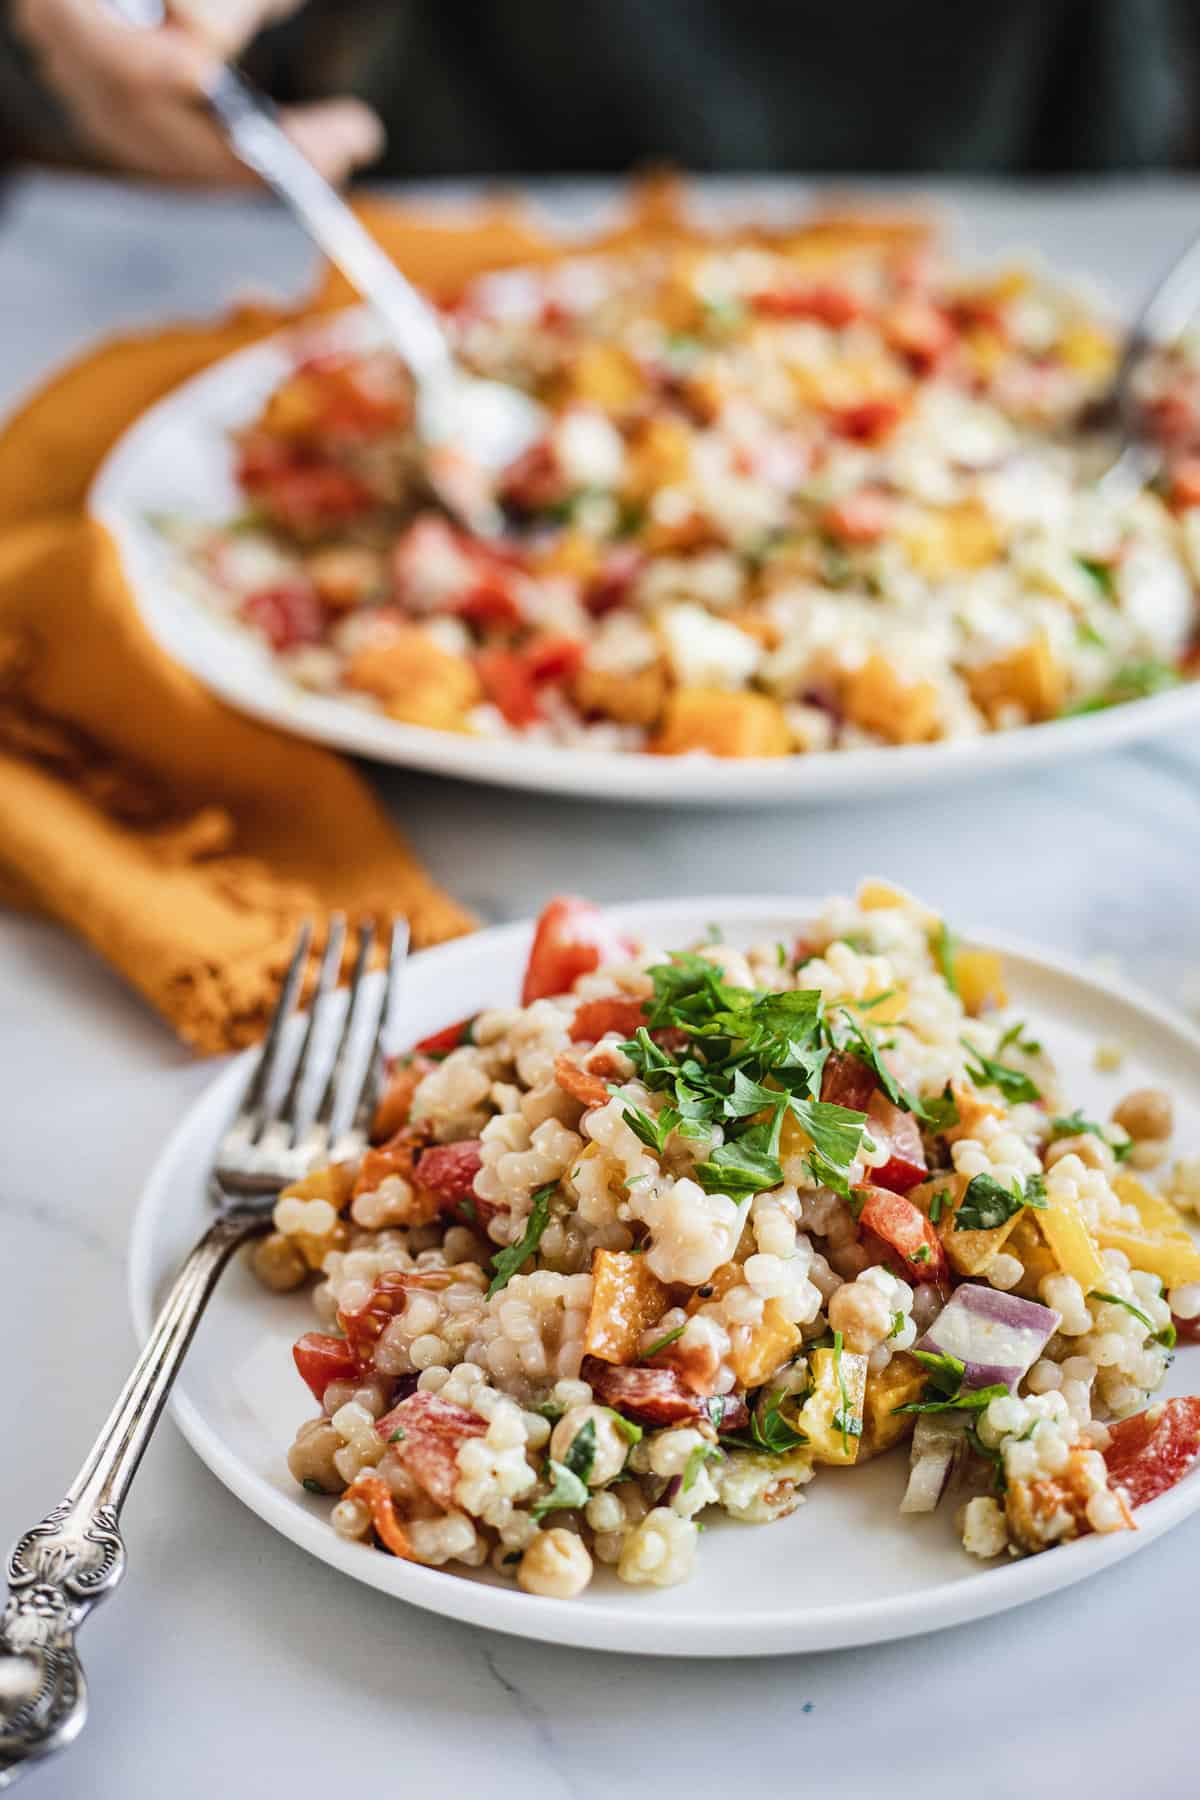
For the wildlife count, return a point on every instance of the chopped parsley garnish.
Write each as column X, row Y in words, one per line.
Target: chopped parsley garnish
column 1016, row 1035
column 941, row 1113
column 633, row 1434
column 899, row 1320
column 1014, row 1084
column 944, row 1387
column 1102, row 574
column 1075, row 1125
column 938, row 1203
column 507, row 1262
column 700, row 1455
column 754, row 1057
column 1167, row 1337
column 921, row 1255
column 844, row 1419
column 1086, row 633
column 988, row 1204
column 1136, row 681
column 571, row 1475
column 310, row 1486
column 769, row 1430
column 671, row 1336
column 944, row 944
column 398, row 1436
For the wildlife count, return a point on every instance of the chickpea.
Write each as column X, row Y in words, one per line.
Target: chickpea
column 859, row 1311
column 278, row 1263
column 556, row 1564
column 1090, row 1150
column 1146, row 1113
column 310, row 1458
column 612, row 1446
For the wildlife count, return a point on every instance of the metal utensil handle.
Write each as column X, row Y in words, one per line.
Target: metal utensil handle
column 249, row 121
column 75, row 1555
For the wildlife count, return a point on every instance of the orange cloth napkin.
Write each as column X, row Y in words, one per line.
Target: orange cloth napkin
column 183, row 841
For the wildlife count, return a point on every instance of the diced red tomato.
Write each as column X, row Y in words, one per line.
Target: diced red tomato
column 449, row 1171
column 1185, row 482
column 429, row 1432
column 534, row 482
column 899, row 1224
column 848, row 1081
column 596, row 1017
column 612, row 585
column 861, row 518
column 306, row 497
column 898, row 1133
column 322, row 1359
column 288, row 614
column 1187, row 1330
column 658, row 1396
column 868, row 422
column 553, row 657
column 571, row 939
column 1150, row 1452
column 919, row 331
column 509, row 686
column 490, row 604
column 829, row 305
column 385, row 1302
column 450, row 1037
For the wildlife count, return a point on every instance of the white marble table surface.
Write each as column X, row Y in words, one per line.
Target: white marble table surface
column 231, row 1663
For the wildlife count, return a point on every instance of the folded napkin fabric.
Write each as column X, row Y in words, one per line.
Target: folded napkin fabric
column 183, row 841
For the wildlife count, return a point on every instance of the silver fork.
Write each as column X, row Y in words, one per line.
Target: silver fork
column 75, row 1555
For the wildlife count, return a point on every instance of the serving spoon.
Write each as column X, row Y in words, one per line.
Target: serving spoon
column 469, row 428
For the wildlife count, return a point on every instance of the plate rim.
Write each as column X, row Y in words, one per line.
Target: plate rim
column 195, row 637
column 606, row 1623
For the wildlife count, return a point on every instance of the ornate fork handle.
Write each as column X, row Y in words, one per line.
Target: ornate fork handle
column 75, row 1555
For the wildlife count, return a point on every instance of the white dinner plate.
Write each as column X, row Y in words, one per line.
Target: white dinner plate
column 847, row 1567
column 176, row 461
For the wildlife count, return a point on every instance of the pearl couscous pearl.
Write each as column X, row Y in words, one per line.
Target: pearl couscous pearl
column 556, row 1564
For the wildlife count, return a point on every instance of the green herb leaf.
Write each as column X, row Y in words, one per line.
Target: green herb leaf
column 1075, row 1125
column 1016, row 1035
column 670, row 1338
column 699, row 1456
column 739, row 1170
column 1135, row 681
column 941, row 1113
column 507, row 1262
column 1012, row 1083
column 398, row 1436
column 310, row 1486
column 944, row 946
column 633, row 1434
column 769, row 1430
column 568, row 1490
column 1167, row 1337
column 945, row 1384
column 844, row 1419
column 987, row 1204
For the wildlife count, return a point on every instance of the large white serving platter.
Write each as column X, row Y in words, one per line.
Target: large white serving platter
column 176, row 461
column 847, row 1568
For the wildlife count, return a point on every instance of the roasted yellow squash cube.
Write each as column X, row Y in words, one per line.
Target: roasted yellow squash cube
column 878, row 699
column 902, row 1382
column 832, row 1416
column 722, row 723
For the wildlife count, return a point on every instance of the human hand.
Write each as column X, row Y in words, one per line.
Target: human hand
column 132, row 93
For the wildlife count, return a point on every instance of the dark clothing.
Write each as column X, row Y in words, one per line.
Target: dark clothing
column 908, row 86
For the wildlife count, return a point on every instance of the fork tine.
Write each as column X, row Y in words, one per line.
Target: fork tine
column 372, row 1079
column 327, row 979
column 249, row 1115
column 327, row 1107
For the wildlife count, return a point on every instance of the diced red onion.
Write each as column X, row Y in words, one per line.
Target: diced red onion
column 937, row 1444
column 996, row 1336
